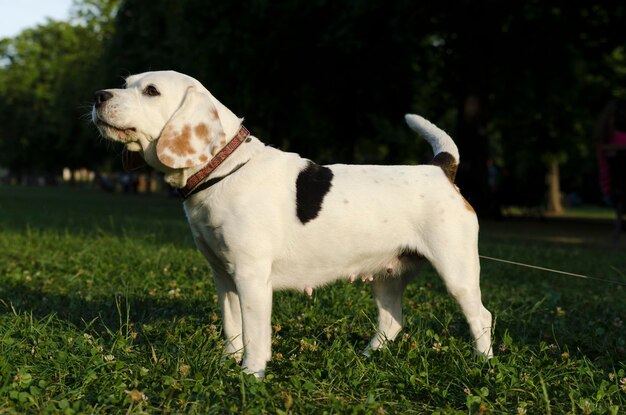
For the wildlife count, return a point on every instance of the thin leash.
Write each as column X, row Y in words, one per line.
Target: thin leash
column 571, row 274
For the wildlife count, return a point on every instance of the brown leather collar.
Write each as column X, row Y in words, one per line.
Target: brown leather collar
column 218, row 159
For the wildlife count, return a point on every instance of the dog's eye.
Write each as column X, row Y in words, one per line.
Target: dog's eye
column 151, row 91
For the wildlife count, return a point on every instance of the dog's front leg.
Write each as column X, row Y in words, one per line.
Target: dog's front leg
column 231, row 313
column 255, row 297
column 228, row 299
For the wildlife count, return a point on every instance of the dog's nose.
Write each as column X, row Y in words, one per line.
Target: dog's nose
column 102, row 96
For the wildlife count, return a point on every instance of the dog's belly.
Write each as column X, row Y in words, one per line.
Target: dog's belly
column 297, row 275
column 343, row 244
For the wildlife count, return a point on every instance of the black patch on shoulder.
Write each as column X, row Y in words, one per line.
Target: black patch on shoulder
column 448, row 164
column 312, row 185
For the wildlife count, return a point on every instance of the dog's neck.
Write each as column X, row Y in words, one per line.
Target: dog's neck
column 202, row 176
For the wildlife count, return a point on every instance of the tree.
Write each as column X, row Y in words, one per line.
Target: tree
column 330, row 80
column 528, row 79
column 47, row 80
column 517, row 84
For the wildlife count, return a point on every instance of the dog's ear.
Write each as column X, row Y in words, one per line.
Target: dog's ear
column 192, row 133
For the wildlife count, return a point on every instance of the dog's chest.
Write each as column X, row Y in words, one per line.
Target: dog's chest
column 208, row 233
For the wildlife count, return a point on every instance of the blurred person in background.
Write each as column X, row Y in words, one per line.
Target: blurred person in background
column 610, row 138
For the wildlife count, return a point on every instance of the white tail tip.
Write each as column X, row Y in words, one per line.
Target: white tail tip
column 436, row 137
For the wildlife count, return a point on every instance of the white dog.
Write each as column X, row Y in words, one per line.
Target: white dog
column 268, row 220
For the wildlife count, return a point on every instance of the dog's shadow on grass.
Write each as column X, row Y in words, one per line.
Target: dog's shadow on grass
column 602, row 339
column 111, row 311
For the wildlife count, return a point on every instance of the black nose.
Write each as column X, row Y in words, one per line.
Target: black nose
column 102, row 96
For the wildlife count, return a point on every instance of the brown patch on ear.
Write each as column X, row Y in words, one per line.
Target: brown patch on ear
column 202, row 132
column 167, row 160
column 191, row 132
column 181, row 144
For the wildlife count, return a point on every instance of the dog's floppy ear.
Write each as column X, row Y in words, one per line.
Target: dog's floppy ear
column 192, row 132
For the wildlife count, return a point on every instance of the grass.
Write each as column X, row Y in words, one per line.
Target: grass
column 106, row 307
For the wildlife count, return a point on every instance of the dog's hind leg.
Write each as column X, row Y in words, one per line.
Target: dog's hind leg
column 388, row 297
column 459, row 267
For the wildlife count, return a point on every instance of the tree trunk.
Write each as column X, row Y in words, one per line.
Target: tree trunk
column 555, row 206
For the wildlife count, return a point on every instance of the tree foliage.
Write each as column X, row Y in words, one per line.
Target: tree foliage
column 47, row 77
column 314, row 77
column 517, row 84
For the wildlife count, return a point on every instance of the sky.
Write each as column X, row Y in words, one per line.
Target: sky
column 17, row 15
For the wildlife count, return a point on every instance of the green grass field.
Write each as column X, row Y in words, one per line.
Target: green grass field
column 106, row 307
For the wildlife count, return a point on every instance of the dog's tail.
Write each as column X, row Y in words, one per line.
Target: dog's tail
column 446, row 152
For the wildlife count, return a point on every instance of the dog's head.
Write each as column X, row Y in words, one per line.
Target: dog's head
column 170, row 117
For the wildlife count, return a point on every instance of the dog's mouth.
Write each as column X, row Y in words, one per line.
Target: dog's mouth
column 103, row 124
column 113, row 132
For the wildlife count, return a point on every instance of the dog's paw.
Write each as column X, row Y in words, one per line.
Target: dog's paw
column 259, row 374
column 251, row 367
column 487, row 354
column 237, row 356
column 369, row 350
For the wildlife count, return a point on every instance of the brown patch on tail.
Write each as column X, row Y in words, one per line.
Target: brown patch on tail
column 448, row 164
column 468, row 206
